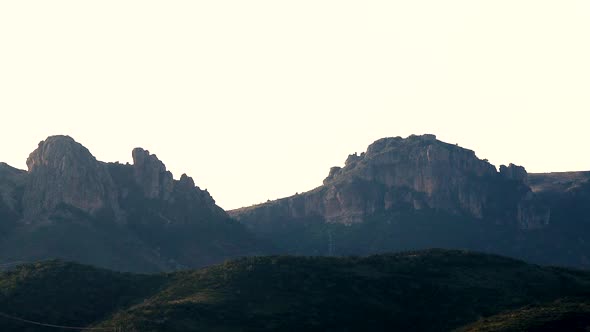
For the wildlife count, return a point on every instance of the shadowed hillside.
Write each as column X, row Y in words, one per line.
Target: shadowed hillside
column 433, row 290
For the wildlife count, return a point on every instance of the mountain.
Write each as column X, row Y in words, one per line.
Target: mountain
column 401, row 194
column 433, row 290
column 419, row 192
column 69, row 205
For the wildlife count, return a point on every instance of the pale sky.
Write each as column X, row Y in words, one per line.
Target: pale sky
column 256, row 100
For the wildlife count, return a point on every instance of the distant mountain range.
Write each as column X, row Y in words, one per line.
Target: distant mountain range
column 401, row 194
column 433, row 290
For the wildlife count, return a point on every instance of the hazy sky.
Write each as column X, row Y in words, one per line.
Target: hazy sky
column 258, row 99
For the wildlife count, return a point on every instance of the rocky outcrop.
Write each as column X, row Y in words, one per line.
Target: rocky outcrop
column 418, row 172
column 402, row 193
column 151, row 174
column 70, row 206
column 334, row 171
column 186, row 183
column 192, row 197
column 514, row 172
column 62, row 171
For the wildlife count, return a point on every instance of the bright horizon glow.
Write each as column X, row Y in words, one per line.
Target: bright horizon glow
column 256, row 100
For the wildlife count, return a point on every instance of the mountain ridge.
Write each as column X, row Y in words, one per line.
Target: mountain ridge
column 430, row 173
column 400, row 194
column 418, row 192
column 125, row 216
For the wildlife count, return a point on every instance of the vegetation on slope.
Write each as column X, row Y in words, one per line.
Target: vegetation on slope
column 563, row 315
column 69, row 294
column 432, row 290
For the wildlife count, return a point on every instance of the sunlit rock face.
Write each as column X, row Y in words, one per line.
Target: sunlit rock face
column 62, row 171
column 418, row 172
column 130, row 217
column 429, row 173
column 151, row 174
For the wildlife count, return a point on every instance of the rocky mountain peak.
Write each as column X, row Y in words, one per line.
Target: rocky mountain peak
column 71, row 206
column 186, row 182
column 417, row 172
column 62, row 171
column 411, row 161
column 151, row 174
column 59, row 153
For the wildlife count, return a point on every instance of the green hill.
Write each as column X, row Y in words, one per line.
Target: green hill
column 433, row 290
column 68, row 294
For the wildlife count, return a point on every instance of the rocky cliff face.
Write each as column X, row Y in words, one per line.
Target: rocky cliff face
column 62, row 171
column 151, row 181
column 151, row 175
column 419, row 192
column 400, row 194
column 514, row 172
column 136, row 217
column 419, row 172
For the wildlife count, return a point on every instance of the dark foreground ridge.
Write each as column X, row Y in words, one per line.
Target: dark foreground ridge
column 432, row 290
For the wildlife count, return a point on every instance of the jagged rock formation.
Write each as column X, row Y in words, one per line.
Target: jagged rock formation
column 514, row 172
column 128, row 217
column 418, row 172
column 151, row 174
column 400, row 194
column 419, row 192
column 62, row 171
